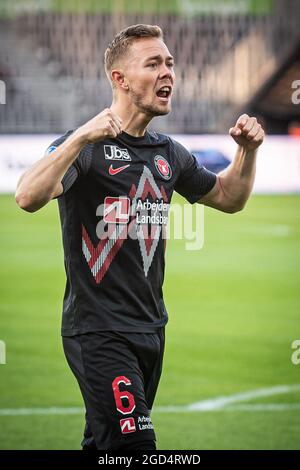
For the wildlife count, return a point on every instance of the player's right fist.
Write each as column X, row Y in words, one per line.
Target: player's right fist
column 105, row 125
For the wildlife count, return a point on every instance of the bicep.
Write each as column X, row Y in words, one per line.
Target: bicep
column 214, row 198
column 69, row 178
column 58, row 190
column 71, row 174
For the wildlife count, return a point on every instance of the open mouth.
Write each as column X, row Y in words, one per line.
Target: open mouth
column 164, row 92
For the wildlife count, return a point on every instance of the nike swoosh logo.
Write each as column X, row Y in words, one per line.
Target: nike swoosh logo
column 113, row 171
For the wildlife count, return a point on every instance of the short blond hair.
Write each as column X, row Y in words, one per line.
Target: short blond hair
column 119, row 46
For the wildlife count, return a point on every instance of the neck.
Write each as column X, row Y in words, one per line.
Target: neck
column 134, row 121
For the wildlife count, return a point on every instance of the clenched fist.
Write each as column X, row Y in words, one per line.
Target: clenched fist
column 247, row 132
column 105, row 125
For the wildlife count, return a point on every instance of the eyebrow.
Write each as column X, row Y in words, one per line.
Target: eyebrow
column 159, row 57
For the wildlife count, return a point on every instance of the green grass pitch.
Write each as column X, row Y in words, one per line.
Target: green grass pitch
column 234, row 313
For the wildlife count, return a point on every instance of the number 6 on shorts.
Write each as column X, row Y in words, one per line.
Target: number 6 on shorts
column 120, row 395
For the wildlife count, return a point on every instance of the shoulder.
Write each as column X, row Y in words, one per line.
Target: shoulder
column 182, row 155
column 177, row 149
column 157, row 138
column 58, row 141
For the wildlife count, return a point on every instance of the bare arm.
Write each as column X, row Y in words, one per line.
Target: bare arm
column 234, row 184
column 42, row 182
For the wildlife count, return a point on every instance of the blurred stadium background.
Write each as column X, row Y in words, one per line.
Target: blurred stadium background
column 233, row 306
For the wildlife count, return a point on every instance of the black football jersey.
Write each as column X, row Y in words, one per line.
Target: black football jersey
column 114, row 211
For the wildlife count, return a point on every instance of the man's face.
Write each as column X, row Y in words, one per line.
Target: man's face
column 148, row 68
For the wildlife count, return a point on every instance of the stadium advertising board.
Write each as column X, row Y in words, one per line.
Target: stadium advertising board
column 278, row 166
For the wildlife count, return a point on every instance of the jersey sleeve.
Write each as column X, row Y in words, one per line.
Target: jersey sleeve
column 194, row 180
column 79, row 167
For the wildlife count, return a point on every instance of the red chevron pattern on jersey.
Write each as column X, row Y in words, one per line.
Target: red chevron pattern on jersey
column 100, row 257
column 148, row 244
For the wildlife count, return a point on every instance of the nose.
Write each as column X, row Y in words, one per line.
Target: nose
column 165, row 72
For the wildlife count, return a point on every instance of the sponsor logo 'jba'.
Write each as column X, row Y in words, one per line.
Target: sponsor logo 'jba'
column 113, row 152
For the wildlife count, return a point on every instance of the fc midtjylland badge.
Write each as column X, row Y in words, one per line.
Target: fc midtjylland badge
column 163, row 167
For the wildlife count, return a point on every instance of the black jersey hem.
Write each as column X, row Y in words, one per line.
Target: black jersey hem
column 121, row 329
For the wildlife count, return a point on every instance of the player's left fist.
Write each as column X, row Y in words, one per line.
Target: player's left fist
column 247, row 132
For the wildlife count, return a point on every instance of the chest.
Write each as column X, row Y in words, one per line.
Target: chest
column 118, row 170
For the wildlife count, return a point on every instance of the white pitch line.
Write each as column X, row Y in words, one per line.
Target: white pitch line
column 264, row 407
column 227, row 403
column 53, row 410
column 271, row 230
column 221, row 402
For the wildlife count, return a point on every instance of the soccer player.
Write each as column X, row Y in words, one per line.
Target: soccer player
column 114, row 181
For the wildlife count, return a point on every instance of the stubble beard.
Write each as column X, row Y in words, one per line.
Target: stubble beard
column 150, row 110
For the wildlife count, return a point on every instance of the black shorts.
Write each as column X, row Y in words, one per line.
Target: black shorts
column 118, row 374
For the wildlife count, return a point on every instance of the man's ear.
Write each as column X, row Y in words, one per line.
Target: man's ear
column 119, row 79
